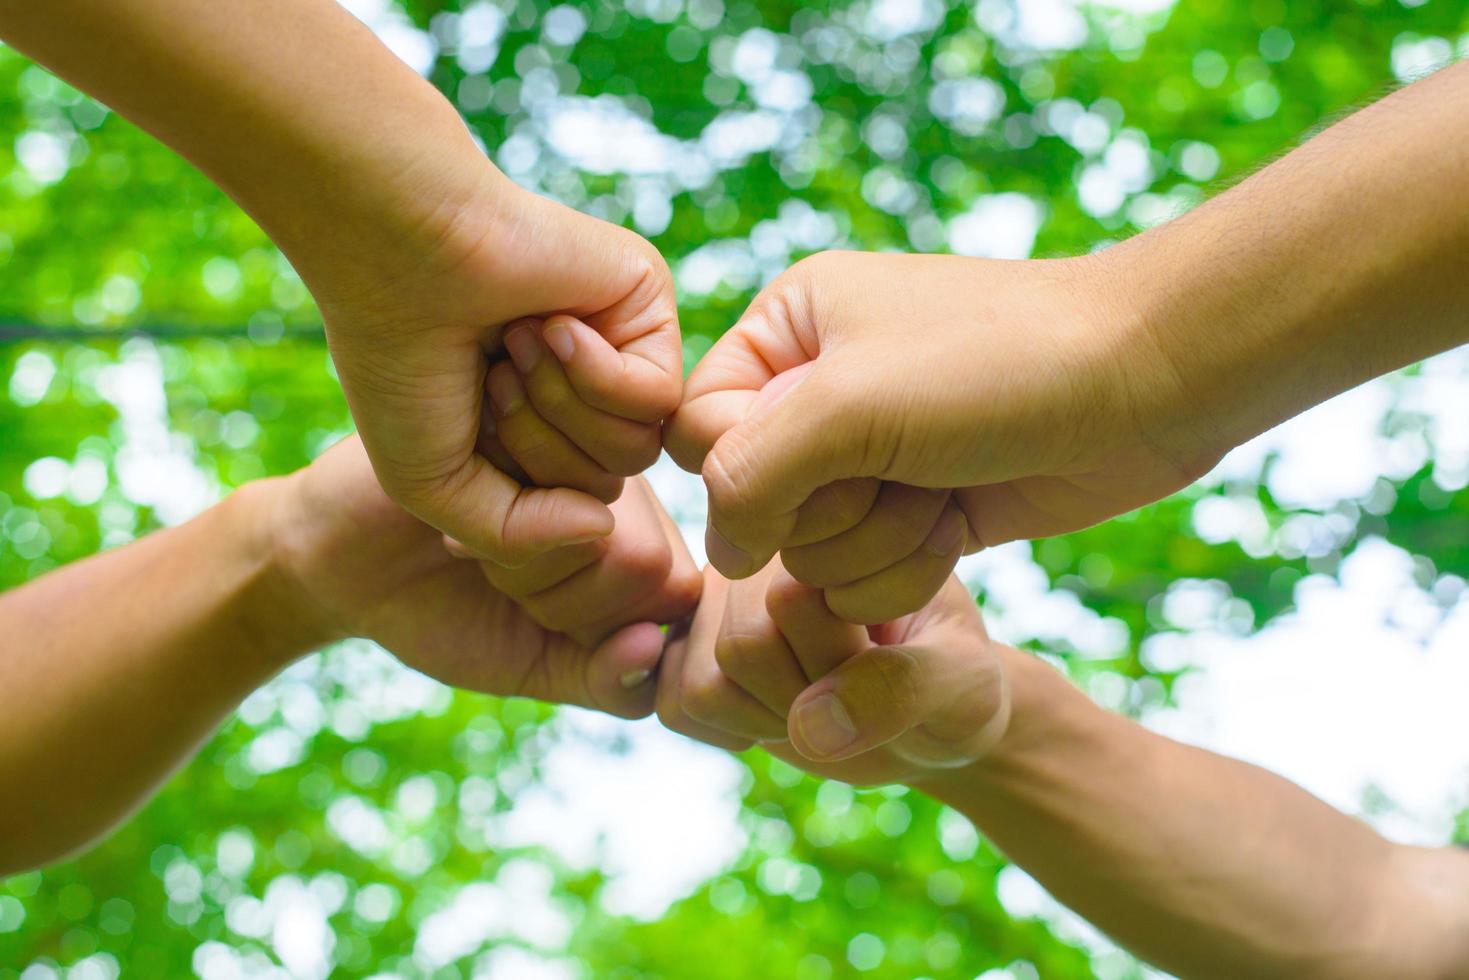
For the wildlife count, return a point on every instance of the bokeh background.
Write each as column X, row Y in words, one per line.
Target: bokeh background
column 1301, row 606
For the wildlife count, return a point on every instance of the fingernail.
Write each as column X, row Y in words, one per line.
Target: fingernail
column 633, row 678
column 825, row 725
column 561, row 341
column 731, row 561
column 524, row 348
column 584, row 538
column 505, row 391
column 457, row 548
column 947, row 534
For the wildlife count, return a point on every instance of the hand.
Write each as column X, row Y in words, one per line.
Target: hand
column 1015, row 385
column 367, row 568
column 412, row 346
column 765, row 660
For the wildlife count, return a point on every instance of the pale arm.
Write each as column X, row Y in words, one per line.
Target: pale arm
column 1204, row 865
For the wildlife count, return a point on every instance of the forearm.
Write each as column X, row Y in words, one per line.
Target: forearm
column 1341, row 261
column 117, row 667
column 292, row 106
column 1205, row 865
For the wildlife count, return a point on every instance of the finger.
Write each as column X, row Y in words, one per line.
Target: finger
column 761, row 471
column 712, row 699
column 941, row 697
column 634, row 566
column 616, row 676
column 638, row 381
column 819, row 640
column 753, row 654
column 907, row 585
column 488, row 445
column 546, row 455
column 646, row 574
column 685, row 583
column 496, row 519
column 724, row 386
column 898, row 523
column 616, row 444
column 832, row 509
column 543, row 571
column 669, row 700
column 418, row 413
column 718, row 703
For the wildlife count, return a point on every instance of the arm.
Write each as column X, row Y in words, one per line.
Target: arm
column 416, row 248
column 1201, row 864
column 116, row 668
column 1341, row 261
column 1053, row 394
column 1207, row 866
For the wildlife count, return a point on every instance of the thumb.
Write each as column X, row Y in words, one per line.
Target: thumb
column 797, row 438
column 940, row 702
column 496, row 519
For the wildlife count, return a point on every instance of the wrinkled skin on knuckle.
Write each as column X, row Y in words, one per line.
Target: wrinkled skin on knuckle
column 730, row 493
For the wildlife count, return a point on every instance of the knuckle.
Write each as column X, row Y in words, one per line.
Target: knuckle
column 904, row 526
column 552, row 397
column 685, row 587
column 725, row 474
column 706, row 699
column 526, row 441
column 740, row 654
column 789, row 598
column 639, row 453
column 645, row 563
column 814, row 266
column 846, row 502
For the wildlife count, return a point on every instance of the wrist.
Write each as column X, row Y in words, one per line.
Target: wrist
column 276, row 605
column 1049, row 716
column 1161, row 385
column 409, row 217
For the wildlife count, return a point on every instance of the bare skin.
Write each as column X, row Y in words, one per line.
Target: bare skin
column 1201, row 864
column 97, row 709
column 418, row 251
column 1040, row 397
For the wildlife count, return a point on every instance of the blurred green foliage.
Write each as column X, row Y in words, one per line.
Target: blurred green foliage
column 127, row 274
